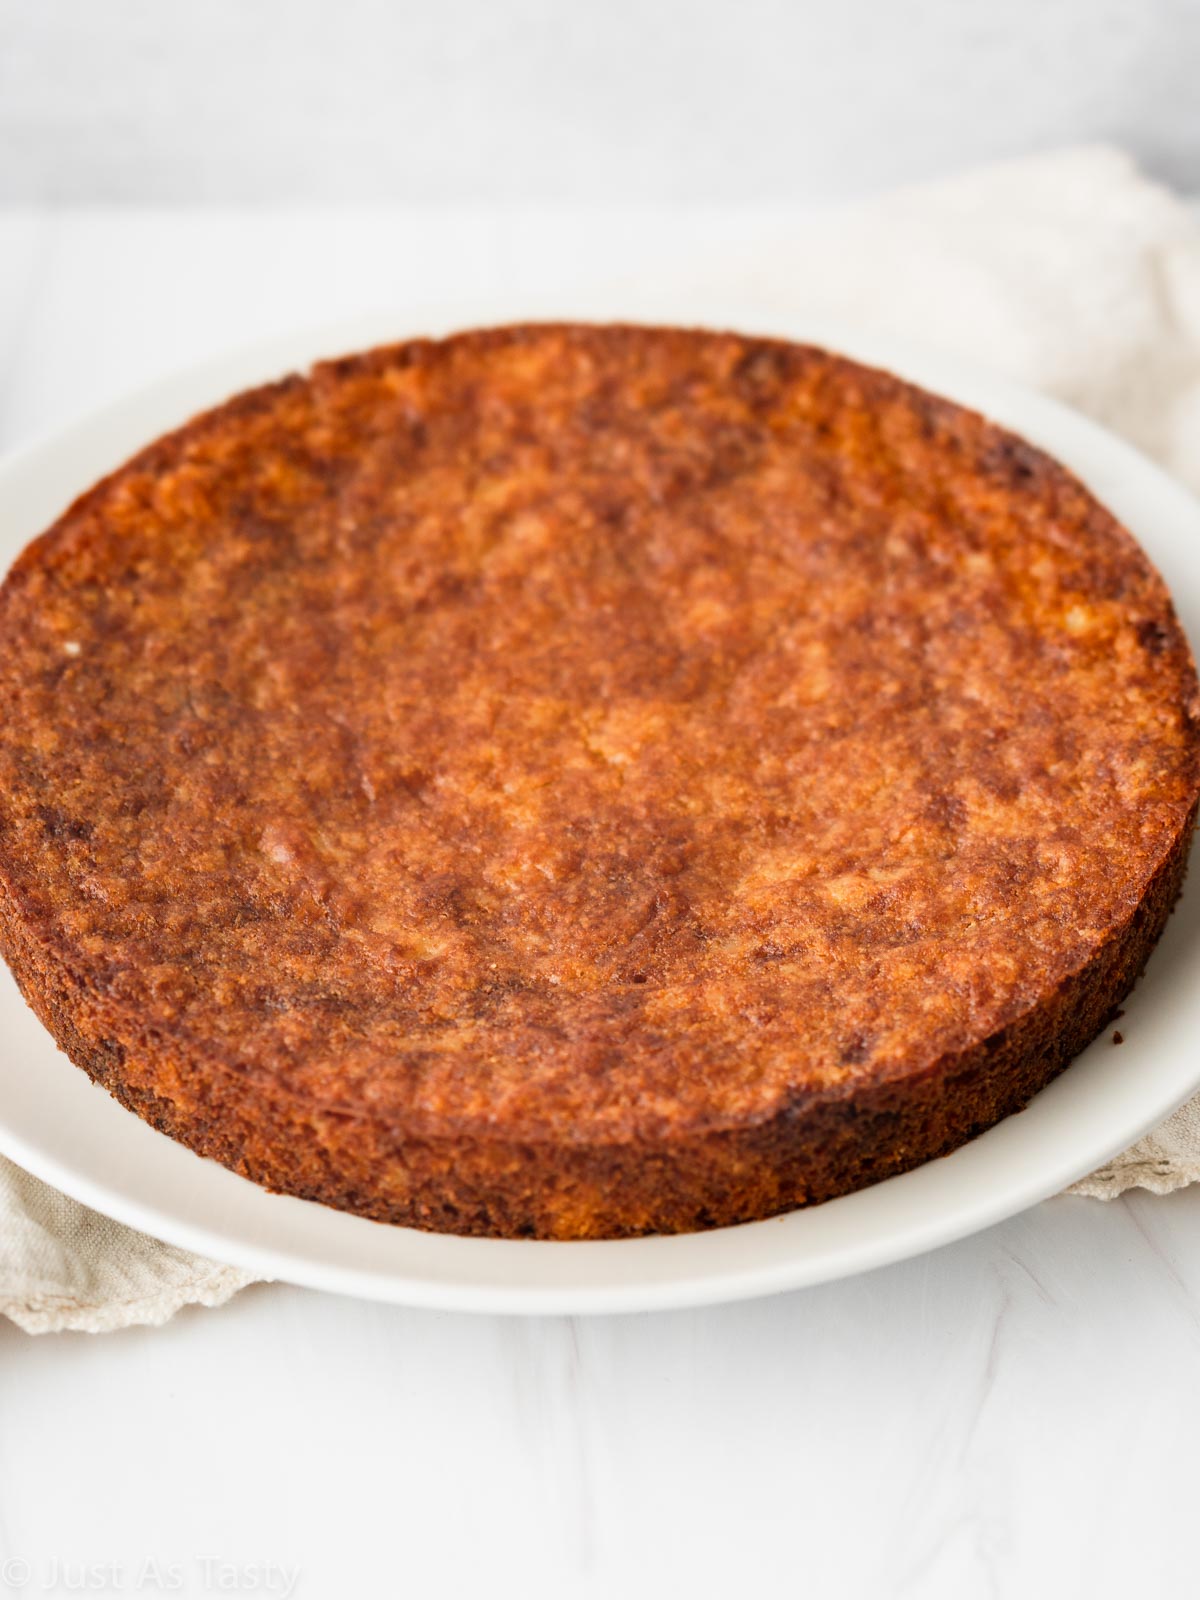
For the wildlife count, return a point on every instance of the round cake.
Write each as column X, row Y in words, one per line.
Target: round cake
column 579, row 781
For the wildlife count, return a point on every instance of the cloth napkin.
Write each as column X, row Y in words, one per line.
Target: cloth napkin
column 1071, row 273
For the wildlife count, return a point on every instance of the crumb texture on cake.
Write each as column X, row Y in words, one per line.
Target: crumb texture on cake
column 578, row 781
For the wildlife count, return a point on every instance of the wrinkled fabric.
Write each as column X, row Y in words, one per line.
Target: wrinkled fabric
column 64, row 1266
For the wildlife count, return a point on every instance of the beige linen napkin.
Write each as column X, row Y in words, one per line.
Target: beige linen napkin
column 1071, row 273
column 65, row 1266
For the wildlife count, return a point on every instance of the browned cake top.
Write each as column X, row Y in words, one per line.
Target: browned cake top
column 588, row 730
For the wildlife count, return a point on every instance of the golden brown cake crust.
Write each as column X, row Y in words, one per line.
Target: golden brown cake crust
column 584, row 781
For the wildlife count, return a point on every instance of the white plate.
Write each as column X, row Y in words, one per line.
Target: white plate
column 55, row 1123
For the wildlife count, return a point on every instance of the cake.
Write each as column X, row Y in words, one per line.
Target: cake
column 586, row 781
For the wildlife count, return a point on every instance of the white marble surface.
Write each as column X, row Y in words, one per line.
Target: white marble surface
column 1011, row 1416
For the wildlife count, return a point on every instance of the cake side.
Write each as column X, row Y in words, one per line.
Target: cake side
column 804, row 1153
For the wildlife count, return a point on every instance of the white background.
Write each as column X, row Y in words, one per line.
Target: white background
column 616, row 101
column 1012, row 1416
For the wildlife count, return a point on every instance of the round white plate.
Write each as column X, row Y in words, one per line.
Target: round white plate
column 56, row 1124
